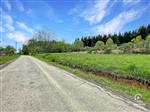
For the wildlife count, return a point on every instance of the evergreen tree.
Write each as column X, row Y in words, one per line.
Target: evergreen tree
column 119, row 38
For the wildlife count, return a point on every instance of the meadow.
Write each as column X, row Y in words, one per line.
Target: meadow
column 135, row 65
column 4, row 59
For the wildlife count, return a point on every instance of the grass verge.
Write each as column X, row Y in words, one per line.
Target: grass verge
column 122, row 88
column 5, row 59
column 126, row 65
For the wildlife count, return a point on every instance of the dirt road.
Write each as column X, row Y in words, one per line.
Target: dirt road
column 29, row 84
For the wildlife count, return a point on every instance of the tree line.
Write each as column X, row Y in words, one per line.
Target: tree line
column 136, row 45
column 43, row 41
column 119, row 38
column 8, row 50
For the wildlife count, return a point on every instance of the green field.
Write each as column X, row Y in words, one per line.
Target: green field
column 135, row 65
column 118, row 63
column 4, row 59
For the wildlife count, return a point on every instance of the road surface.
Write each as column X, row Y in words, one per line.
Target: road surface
column 29, row 84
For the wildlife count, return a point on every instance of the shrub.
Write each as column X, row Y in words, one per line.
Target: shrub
column 99, row 45
column 148, row 42
column 110, row 44
column 138, row 42
column 128, row 45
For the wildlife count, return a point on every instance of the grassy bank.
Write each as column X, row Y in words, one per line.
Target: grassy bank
column 122, row 64
column 121, row 87
column 4, row 59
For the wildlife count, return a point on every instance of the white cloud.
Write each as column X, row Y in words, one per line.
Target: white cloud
column 7, row 4
column 130, row 2
column 19, row 5
column 25, row 27
column 9, row 28
column 7, row 23
column 96, row 12
column 17, row 36
column 117, row 23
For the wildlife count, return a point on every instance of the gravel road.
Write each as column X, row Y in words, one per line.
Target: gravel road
column 29, row 84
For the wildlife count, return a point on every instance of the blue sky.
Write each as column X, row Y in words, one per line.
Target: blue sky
column 69, row 19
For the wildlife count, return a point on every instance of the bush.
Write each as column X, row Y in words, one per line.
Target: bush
column 148, row 42
column 138, row 42
column 128, row 45
column 110, row 44
column 99, row 45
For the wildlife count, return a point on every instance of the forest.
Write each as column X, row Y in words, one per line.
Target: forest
column 119, row 38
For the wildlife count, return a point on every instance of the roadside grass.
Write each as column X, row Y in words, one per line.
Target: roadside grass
column 117, row 86
column 135, row 65
column 121, row 87
column 5, row 59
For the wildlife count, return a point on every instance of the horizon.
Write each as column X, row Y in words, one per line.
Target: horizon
column 69, row 19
